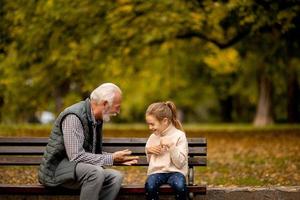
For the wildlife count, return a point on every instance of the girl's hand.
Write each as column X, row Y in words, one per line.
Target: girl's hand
column 130, row 162
column 154, row 150
column 165, row 144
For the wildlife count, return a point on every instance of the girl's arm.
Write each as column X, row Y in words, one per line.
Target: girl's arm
column 179, row 152
column 150, row 149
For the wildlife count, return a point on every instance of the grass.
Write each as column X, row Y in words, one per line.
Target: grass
column 252, row 159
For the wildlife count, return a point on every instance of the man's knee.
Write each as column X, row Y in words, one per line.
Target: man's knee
column 90, row 173
column 118, row 176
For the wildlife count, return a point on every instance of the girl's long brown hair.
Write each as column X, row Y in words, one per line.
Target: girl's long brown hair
column 161, row 110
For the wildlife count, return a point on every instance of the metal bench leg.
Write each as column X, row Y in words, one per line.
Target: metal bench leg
column 191, row 195
column 191, row 181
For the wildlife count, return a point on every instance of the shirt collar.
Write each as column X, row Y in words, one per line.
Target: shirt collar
column 168, row 130
column 94, row 121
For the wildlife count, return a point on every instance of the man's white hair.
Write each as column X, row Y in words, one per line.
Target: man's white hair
column 105, row 92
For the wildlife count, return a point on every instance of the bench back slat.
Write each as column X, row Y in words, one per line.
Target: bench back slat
column 39, row 150
column 36, row 160
column 34, row 141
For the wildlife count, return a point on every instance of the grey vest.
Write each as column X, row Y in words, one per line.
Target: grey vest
column 55, row 167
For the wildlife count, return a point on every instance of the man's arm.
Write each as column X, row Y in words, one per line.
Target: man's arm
column 73, row 140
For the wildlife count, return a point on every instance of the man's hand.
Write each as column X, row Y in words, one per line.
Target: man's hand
column 123, row 157
column 154, row 150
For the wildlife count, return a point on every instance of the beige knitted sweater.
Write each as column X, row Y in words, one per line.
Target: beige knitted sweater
column 174, row 159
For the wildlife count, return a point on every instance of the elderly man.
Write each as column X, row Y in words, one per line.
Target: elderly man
column 73, row 157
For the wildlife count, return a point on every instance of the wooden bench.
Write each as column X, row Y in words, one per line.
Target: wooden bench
column 28, row 151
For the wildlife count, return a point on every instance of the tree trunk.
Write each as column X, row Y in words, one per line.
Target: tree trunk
column 226, row 109
column 59, row 94
column 263, row 111
column 293, row 90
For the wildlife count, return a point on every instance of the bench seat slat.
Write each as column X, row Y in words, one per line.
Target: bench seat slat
column 36, row 160
column 125, row 189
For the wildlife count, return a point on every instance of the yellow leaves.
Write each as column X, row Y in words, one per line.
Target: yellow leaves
column 285, row 18
column 166, row 46
column 223, row 61
column 296, row 63
column 248, row 19
column 73, row 45
column 55, row 55
column 124, row 1
column 125, row 9
column 49, row 4
column 196, row 16
column 196, row 20
column 286, row 14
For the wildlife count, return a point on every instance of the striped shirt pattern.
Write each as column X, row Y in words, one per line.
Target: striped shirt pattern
column 74, row 138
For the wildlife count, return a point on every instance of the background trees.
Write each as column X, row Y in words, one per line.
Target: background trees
column 228, row 61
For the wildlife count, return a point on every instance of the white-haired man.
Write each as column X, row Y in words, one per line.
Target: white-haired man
column 73, row 157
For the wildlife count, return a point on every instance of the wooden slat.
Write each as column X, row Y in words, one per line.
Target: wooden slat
column 165, row 189
column 22, row 150
column 24, row 160
column 39, row 150
column 125, row 189
column 198, row 161
column 15, row 141
column 36, row 160
column 25, row 141
column 193, row 151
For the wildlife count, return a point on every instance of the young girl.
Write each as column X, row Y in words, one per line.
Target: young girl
column 166, row 150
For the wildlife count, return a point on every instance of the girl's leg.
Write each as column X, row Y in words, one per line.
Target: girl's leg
column 154, row 181
column 178, row 182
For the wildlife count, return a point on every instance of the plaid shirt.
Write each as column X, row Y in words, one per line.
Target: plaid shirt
column 74, row 138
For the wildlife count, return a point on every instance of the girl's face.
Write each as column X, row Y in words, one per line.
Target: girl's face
column 157, row 127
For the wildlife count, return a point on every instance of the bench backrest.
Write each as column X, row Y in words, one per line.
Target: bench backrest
column 29, row 151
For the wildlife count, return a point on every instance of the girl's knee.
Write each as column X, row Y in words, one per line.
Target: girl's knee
column 179, row 186
column 150, row 187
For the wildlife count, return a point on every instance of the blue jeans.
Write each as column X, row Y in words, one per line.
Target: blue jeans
column 175, row 179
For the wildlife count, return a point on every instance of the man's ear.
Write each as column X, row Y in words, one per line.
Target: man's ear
column 105, row 102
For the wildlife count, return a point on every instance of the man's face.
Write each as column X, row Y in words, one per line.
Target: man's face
column 112, row 110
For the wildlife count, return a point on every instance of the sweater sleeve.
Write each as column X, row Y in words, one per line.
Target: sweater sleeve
column 179, row 152
column 148, row 143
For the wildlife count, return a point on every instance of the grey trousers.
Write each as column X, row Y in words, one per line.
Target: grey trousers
column 95, row 182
